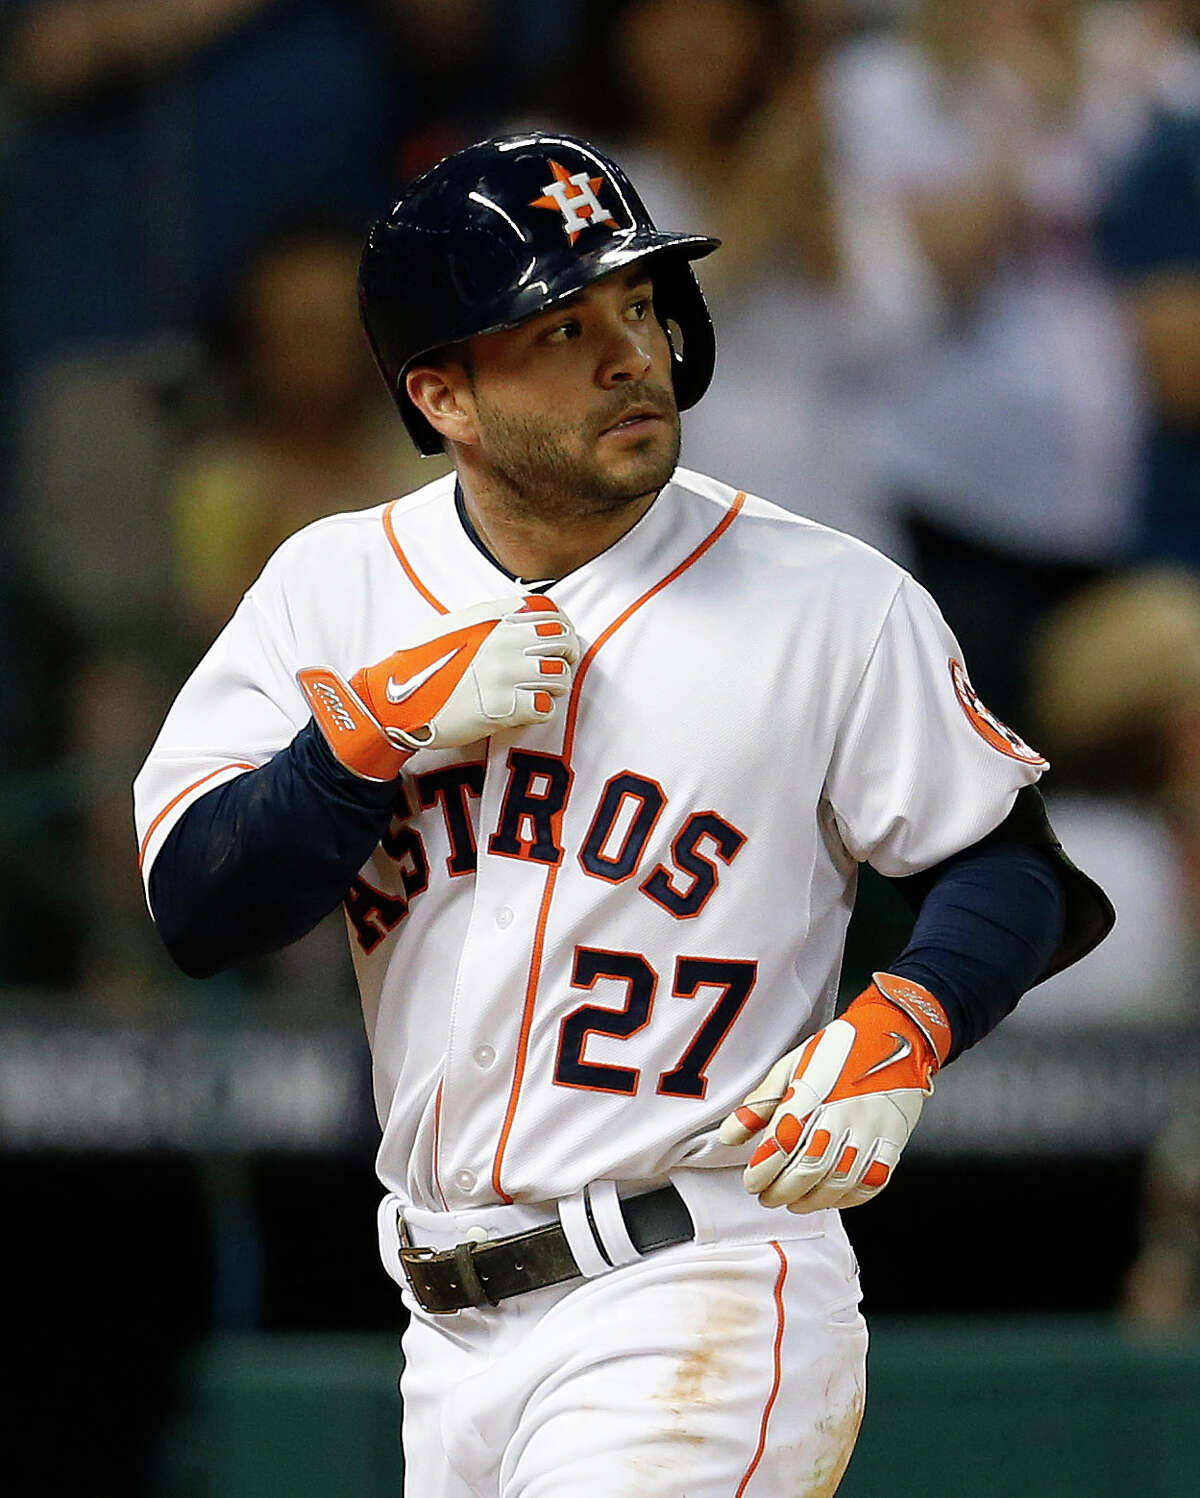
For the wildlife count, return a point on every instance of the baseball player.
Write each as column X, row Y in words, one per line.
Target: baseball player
column 589, row 747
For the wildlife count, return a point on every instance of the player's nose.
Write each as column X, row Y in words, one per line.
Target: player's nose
column 626, row 356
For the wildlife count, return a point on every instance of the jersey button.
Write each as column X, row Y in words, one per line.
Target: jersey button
column 464, row 1180
column 485, row 1056
column 504, row 917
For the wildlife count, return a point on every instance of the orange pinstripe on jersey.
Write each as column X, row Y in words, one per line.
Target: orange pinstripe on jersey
column 539, row 938
column 437, row 1142
column 175, row 800
column 433, row 602
column 773, row 1395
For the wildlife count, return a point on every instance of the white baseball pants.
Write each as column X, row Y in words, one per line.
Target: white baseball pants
column 709, row 1370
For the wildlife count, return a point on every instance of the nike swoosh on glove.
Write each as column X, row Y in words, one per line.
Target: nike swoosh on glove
column 494, row 665
column 836, row 1112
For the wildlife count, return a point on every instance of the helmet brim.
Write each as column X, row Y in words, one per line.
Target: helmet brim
column 539, row 295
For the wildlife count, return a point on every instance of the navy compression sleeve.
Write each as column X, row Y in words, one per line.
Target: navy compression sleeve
column 985, row 933
column 254, row 865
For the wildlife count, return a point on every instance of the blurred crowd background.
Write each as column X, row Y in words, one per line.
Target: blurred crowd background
column 958, row 315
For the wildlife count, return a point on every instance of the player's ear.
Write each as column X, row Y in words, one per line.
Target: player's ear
column 443, row 394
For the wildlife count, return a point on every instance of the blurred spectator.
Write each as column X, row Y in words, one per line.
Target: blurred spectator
column 722, row 126
column 314, row 430
column 1116, row 675
column 101, row 431
column 67, row 48
column 1151, row 240
column 177, row 132
column 1011, row 440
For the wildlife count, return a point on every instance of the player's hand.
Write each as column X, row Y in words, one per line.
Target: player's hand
column 836, row 1112
column 495, row 665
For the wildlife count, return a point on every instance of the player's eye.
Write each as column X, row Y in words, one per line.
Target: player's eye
column 641, row 308
column 565, row 331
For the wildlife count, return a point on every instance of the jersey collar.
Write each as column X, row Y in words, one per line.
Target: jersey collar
column 527, row 584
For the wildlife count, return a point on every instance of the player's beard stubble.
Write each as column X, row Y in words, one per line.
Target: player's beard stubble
column 563, row 471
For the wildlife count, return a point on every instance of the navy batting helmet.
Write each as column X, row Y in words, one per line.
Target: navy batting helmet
column 501, row 231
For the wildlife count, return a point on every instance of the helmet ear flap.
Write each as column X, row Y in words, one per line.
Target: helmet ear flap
column 680, row 307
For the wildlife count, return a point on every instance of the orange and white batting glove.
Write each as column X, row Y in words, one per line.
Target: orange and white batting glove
column 838, row 1110
column 494, row 665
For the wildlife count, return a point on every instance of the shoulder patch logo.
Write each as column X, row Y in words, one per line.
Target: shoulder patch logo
column 575, row 198
column 987, row 725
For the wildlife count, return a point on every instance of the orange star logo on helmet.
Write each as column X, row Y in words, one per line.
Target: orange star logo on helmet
column 574, row 196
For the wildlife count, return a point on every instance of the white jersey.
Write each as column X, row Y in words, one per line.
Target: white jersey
column 580, row 944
